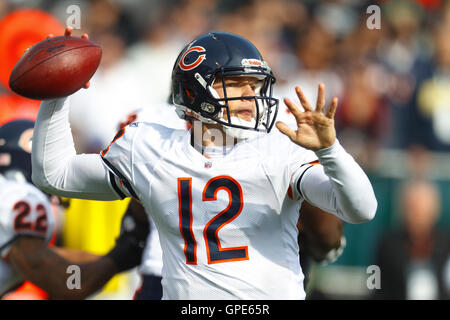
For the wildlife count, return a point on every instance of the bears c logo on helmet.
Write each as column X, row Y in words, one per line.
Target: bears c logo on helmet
column 196, row 63
column 25, row 140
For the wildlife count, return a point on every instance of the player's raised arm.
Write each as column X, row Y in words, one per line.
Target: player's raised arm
column 56, row 167
column 338, row 185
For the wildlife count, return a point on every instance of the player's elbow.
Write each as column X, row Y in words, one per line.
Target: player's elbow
column 36, row 178
column 37, row 169
column 39, row 181
column 371, row 205
column 365, row 210
column 44, row 181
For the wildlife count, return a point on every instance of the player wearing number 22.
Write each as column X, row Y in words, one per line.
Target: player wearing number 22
column 224, row 195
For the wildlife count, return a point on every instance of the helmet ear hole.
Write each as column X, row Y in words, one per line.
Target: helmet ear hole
column 190, row 94
column 213, row 93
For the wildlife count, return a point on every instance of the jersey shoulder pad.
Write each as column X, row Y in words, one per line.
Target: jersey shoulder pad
column 164, row 115
column 137, row 135
column 137, row 143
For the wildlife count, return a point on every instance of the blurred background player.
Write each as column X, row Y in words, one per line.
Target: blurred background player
column 27, row 224
column 18, row 213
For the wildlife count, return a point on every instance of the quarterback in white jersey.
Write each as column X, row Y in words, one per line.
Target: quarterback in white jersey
column 322, row 248
column 225, row 195
column 219, row 220
column 151, row 267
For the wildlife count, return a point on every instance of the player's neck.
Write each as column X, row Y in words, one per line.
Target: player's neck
column 210, row 135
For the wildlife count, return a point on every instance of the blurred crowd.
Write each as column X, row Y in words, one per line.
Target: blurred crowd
column 392, row 82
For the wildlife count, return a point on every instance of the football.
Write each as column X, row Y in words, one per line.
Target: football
column 54, row 68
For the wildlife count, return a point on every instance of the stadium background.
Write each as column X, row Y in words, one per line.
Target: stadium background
column 393, row 84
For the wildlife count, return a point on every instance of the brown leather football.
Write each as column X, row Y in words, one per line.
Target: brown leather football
column 54, row 68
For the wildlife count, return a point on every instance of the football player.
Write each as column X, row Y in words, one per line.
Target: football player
column 320, row 237
column 225, row 195
column 27, row 225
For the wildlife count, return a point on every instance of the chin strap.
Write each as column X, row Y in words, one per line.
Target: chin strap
column 241, row 134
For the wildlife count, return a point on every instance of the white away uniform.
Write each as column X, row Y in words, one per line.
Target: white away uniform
column 24, row 210
column 163, row 114
column 227, row 226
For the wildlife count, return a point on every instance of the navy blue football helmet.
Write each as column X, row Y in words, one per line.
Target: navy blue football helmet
column 15, row 150
column 214, row 56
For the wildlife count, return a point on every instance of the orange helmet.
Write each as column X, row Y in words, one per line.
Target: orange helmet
column 18, row 32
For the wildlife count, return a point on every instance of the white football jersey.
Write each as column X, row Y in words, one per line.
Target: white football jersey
column 228, row 226
column 24, row 209
column 152, row 263
column 161, row 114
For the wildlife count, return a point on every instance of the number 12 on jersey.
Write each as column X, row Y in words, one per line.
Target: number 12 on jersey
column 214, row 251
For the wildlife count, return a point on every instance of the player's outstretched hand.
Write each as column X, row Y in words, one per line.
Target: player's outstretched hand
column 315, row 128
column 68, row 33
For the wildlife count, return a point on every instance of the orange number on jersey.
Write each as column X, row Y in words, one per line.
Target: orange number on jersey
column 185, row 214
column 214, row 250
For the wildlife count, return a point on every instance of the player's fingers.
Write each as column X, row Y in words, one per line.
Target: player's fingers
column 85, row 36
column 332, row 109
column 302, row 98
column 286, row 130
column 68, row 31
column 50, row 36
column 320, row 98
column 293, row 108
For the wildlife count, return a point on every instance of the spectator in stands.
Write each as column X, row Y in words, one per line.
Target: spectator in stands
column 412, row 258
